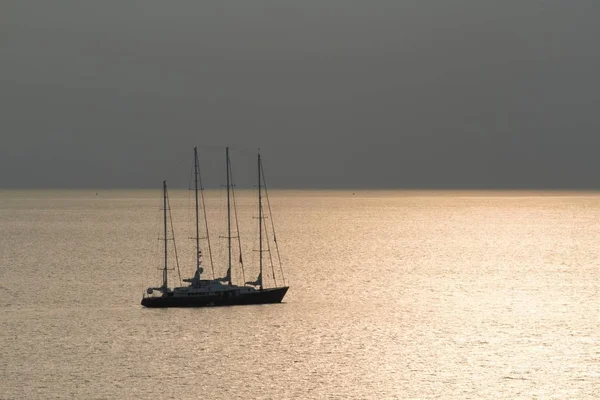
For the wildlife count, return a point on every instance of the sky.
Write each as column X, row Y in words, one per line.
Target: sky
column 335, row 93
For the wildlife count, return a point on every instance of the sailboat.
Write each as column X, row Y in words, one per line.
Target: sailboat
column 220, row 291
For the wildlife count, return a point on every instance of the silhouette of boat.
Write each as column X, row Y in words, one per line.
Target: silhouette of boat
column 220, row 291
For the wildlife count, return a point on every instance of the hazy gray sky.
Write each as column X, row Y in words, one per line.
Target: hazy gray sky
column 337, row 93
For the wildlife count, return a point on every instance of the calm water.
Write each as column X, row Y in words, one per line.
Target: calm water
column 393, row 295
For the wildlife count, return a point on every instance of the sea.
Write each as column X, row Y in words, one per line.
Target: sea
column 393, row 295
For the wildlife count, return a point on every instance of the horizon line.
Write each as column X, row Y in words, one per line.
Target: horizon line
column 308, row 188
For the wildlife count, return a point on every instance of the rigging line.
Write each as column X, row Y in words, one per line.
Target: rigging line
column 156, row 265
column 189, row 211
column 272, row 222
column 189, row 207
column 221, row 227
column 212, row 266
column 221, row 206
column 254, row 261
column 270, row 254
column 151, row 250
column 198, row 251
column 174, row 242
column 237, row 224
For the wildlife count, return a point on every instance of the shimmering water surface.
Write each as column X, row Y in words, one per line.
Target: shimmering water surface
column 393, row 295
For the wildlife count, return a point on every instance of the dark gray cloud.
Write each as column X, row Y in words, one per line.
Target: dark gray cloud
column 339, row 93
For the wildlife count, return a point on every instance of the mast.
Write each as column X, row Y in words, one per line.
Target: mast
column 228, row 214
column 164, row 286
column 260, row 255
column 201, row 188
column 197, row 227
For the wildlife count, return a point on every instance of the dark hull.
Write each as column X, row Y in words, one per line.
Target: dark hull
column 266, row 296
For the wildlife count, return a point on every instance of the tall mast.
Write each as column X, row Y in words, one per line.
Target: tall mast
column 201, row 188
column 260, row 255
column 196, row 191
column 228, row 214
column 165, row 223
